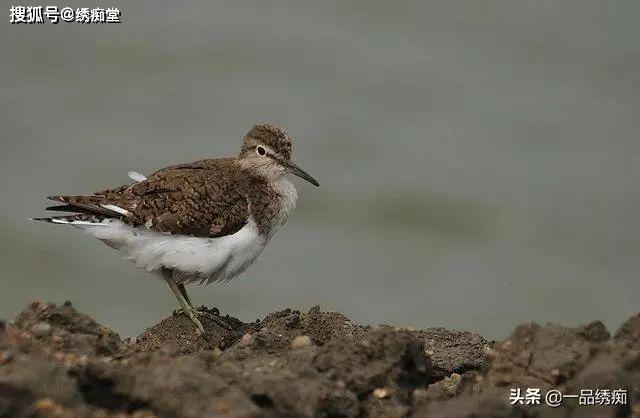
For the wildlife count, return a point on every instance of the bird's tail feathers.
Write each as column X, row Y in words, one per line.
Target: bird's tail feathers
column 77, row 220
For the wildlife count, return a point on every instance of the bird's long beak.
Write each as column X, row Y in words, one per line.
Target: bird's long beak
column 294, row 169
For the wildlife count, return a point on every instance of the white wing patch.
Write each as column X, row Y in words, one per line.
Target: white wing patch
column 117, row 209
column 137, row 177
column 60, row 221
column 76, row 223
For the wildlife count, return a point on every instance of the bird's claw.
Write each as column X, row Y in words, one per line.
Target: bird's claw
column 193, row 315
column 194, row 318
column 216, row 319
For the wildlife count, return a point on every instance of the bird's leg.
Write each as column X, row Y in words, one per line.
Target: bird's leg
column 183, row 290
column 197, row 312
column 186, row 306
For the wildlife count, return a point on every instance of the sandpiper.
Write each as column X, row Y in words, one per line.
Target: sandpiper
column 199, row 222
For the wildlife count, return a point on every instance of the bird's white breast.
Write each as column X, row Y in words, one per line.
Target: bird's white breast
column 191, row 259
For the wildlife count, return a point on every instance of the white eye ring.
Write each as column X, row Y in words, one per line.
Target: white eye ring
column 261, row 151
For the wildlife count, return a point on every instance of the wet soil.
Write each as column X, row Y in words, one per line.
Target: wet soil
column 57, row 362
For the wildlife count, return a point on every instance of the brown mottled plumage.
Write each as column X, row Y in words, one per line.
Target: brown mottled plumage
column 202, row 199
column 206, row 198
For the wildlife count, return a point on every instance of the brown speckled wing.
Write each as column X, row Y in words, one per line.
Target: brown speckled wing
column 201, row 199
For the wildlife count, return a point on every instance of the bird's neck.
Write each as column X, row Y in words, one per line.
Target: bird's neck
column 287, row 197
column 271, row 203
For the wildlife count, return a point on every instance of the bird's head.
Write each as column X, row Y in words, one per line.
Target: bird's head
column 266, row 151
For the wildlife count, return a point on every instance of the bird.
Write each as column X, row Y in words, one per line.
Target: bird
column 196, row 223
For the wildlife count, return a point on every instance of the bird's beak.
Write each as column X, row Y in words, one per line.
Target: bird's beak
column 294, row 169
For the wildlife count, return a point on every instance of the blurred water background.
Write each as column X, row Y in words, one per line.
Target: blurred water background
column 478, row 160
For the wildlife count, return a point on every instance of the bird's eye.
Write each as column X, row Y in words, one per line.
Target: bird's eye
column 261, row 151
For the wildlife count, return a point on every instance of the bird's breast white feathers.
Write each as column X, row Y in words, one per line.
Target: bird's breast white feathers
column 190, row 258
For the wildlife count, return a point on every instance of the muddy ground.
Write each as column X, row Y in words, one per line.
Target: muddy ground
column 57, row 362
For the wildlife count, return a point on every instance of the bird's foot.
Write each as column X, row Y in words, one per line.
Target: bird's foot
column 216, row 318
column 193, row 315
column 203, row 311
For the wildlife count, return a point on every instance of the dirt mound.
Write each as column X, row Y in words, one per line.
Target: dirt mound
column 57, row 362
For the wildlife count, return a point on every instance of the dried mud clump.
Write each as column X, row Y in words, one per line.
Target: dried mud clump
column 57, row 362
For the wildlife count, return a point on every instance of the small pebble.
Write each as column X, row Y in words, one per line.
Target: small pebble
column 246, row 340
column 301, row 341
column 47, row 406
column 68, row 304
column 41, row 329
column 381, row 393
